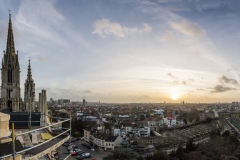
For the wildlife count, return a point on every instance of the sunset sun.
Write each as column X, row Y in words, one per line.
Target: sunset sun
column 174, row 96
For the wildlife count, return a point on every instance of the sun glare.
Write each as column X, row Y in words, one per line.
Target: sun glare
column 174, row 96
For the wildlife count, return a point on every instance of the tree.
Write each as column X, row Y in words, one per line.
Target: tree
column 185, row 121
column 148, row 115
column 197, row 118
column 208, row 120
column 159, row 154
column 123, row 154
column 190, row 146
column 77, row 125
column 233, row 139
column 176, row 112
column 142, row 117
column 179, row 152
column 190, row 119
column 226, row 133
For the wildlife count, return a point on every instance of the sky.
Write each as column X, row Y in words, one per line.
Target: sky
column 128, row 50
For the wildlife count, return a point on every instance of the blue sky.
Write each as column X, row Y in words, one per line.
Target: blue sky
column 128, row 50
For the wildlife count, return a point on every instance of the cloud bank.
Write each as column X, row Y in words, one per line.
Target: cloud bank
column 105, row 27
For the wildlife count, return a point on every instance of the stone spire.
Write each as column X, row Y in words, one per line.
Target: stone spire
column 29, row 75
column 10, row 49
column 29, row 91
column 10, row 71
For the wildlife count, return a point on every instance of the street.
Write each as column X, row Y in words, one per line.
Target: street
column 63, row 152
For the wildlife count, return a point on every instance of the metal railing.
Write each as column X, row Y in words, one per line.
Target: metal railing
column 22, row 151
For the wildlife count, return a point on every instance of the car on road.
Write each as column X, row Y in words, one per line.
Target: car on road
column 80, row 153
column 79, row 157
column 86, row 155
column 92, row 149
column 65, row 144
column 77, row 149
column 71, row 147
column 73, row 153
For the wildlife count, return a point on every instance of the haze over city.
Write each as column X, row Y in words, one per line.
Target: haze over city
column 128, row 51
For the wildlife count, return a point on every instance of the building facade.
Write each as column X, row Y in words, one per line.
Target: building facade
column 10, row 86
column 29, row 92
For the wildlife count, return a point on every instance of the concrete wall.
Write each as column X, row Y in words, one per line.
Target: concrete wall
column 17, row 157
column 4, row 125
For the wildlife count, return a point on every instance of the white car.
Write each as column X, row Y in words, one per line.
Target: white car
column 92, row 149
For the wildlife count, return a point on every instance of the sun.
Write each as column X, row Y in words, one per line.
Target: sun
column 174, row 96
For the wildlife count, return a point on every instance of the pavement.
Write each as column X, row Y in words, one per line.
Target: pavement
column 63, row 152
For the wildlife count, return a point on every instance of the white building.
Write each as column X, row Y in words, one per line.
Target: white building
column 112, row 141
column 170, row 121
column 116, row 132
column 159, row 111
column 144, row 131
column 87, row 134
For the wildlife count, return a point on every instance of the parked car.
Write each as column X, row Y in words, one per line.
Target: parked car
column 73, row 139
column 92, row 149
column 80, row 157
column 71, row 147
column 80, row 153
column 73, row 153
column 65, row 144
column 86, row 155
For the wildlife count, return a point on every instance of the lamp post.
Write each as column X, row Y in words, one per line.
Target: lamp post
column 13, row 141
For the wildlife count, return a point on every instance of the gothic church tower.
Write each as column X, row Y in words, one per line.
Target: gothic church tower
column 10, row 87
column 29, row 92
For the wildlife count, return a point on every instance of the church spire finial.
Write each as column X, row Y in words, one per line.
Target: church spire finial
column 9, row 13
column 29, row 75
column 10, row 39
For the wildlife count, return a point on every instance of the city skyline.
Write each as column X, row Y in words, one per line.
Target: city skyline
column 128, row 51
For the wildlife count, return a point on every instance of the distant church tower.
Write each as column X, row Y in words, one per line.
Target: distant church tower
column 29, row 91
column 10, row 87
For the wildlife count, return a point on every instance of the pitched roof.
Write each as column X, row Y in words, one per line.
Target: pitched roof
column 111, row 138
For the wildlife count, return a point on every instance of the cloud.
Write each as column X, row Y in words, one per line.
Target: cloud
column 212, row 6
column 105, row 27
column 176, row 80
column 172, row 76
column 191, row 79
column 87, row 91
column 188, row 28
column 224, row 79
column 144, row 96
column 220, row 88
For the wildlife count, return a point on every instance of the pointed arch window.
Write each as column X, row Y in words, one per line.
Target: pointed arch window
column 9, row 73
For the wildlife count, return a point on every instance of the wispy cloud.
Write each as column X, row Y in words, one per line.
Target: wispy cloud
column 87, row 91
column 188, row 28
column 105, row 27
column 220, row 88
column 172, row 76
column 224, row 79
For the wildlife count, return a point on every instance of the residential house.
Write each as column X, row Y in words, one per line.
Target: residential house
column 170, row 121
column 116, row 132
column 98, row 139
column 112, row 141
column 144, row 131
column 87, row 134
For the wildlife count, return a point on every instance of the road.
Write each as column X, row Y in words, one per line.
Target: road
column 63, row 152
